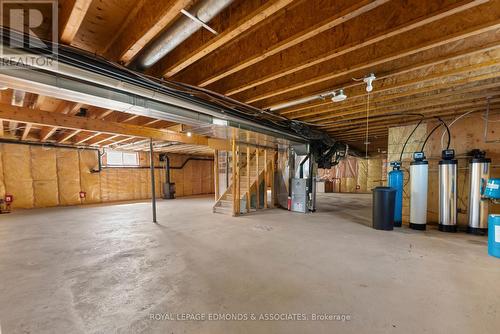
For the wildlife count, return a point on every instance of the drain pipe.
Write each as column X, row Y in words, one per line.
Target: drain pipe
column 184, row 27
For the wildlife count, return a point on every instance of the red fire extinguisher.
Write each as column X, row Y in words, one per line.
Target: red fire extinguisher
column 289, row 203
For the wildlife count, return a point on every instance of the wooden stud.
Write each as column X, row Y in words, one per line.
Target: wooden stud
column 248, row 179
column 265, row 179
column 257, row 171
column 216, row 174
column 273, row 188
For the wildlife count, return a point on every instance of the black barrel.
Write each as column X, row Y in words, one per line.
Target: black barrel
column 384, row 199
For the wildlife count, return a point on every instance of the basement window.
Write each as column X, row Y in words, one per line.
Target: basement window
column 123, row 159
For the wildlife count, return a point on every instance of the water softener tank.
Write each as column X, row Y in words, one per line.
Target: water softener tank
column 419, row 174
column 396, row 182
column 479, row 173
column 448, row 191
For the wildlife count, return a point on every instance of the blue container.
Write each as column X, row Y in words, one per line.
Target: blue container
column 396, row 182
column 494, row 235
column 492, row 190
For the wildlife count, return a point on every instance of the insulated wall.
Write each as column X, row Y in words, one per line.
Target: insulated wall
column 41, row 176
column 354, row 175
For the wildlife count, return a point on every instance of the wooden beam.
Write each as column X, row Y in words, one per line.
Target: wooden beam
column 173, row 65
column 105, row 114
column 69, row 136
column 350, row 36
column 105, row 140
column 146, row 23
column 40, row 117
column 119, row 141
column 83, row 139
column 130, row 118
column 46, row 132
column 72, row 13
column 1, row 128
column 303, row 21
column 26, row 131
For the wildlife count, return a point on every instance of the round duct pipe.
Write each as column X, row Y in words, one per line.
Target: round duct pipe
column 179, row 32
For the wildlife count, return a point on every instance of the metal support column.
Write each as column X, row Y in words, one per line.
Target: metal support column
column 153, row 190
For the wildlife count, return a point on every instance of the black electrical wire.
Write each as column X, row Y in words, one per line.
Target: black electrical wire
column 442, row 123
column 411, row 134
column 447, row 130
column 429, row 135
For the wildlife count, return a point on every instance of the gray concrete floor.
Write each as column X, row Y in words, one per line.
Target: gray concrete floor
column 108, row 269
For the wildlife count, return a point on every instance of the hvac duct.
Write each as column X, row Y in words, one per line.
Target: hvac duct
column 179, row 32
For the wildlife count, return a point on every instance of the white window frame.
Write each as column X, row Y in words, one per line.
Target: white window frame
column 120, row 159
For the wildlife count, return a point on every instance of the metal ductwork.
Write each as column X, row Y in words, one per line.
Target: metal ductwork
column 179, row 32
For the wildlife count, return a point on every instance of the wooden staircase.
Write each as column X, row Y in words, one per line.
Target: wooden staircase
column 250, row 176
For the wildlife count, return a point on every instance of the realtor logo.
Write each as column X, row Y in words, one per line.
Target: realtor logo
column 29, row 33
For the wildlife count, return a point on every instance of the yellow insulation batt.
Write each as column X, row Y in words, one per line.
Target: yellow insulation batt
column 17, row 174
column 374, row 173
column 89, row 177
column 44, row 172
column 68, row 170
column 362, row 177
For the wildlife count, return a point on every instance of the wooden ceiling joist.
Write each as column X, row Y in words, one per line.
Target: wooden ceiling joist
column 46, row 132
column 66, row 137
column 304, row 21
column 80, row 139
column 151, row 18
column 40, row 117
column 26, row 131
column 373, row 58
column 175, row 63
column 408, row 100
column 335, row 43
column 72, row 13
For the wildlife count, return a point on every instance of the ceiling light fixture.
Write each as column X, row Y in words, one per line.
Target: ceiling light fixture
column 339, row 96
column 189, row 134
column 369, row 82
